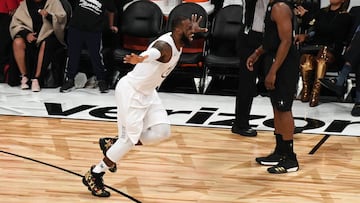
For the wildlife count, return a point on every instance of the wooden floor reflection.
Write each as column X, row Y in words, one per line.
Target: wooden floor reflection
column 43, row 159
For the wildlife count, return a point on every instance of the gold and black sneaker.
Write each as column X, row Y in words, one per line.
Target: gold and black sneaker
column 285, row 165
column 105, row 144
column 94, row 182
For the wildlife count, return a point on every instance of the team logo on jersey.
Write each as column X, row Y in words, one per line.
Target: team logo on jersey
column 91, row 5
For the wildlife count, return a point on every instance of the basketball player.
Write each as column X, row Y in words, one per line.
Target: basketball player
column 141, row 116
column 282, row 66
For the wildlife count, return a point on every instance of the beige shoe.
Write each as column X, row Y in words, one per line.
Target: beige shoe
column 24, row 84
column 35, row 87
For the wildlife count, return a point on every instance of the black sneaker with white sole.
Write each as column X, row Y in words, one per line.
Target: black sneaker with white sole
column 286, row 165
column 105, row 144
column 103, row 86
column 356, row 109
column 68, row 85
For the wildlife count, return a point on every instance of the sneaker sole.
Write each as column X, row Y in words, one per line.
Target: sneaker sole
column 264, row 163
column 289, row 170
column 104, row 91
column 294, row 169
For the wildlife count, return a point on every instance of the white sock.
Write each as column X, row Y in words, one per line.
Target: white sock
column 100, row 167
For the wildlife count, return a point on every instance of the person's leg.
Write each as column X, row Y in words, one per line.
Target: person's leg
column 246, row 44
column 156, row 128
column 307, row 75
column 243, row 103
column 19, row 49
column 156, row 123
column 5, row 42
column 323, row 59
column 130, row 117
column 352, row 59
column 35, row 86
column 145, row 126
column 343, row 74
column 356, row 108
column 75, row 41
column 94, row 44
column 283, row 158
column 39, row 64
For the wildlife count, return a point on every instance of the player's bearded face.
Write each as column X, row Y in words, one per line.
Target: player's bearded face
column 185, row 39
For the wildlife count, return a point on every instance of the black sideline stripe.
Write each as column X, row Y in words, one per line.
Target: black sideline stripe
column 66, row 170
column 322, row 141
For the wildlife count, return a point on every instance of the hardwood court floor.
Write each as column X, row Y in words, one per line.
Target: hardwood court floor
column 43, row 159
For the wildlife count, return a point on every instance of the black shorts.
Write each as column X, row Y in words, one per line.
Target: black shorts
column 287, row 77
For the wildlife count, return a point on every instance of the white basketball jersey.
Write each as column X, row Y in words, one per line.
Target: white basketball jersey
column 147, row 76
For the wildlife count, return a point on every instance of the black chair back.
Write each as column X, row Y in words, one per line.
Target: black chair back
column 142, row 19
column 226, row 27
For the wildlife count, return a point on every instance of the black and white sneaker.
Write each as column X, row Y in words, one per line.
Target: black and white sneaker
column 356, row 109
column 103, row 86
column 68, row 85
column 285, row 165
column 270, row 160
column 105, row 144
column 94, row 183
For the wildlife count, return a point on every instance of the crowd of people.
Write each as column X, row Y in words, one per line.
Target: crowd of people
column 36, row 29
column 271, row 57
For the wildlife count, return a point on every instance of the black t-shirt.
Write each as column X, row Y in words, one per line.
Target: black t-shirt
column 332, row 28
column 33, row 8
column 89, row 15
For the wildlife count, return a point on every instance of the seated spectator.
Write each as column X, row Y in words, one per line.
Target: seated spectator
column 304, row 12
column 37, row 29
column 7, row 9
column 352, row 61
column 331, row 29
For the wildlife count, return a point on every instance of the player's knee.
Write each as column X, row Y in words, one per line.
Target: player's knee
column 155, row 134
column 282, row 105
column 163, row 130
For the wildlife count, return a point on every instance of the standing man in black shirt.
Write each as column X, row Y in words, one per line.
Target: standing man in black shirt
column 248, row 40
column 282, row 66
column 86, row 26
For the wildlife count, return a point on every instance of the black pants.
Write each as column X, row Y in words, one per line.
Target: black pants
column 247, row 79
column 352, row 55
column 5, row 42
column 92, row 40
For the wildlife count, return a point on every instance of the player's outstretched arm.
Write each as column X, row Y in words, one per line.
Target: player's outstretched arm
column 195, row 20
column 134, row 58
